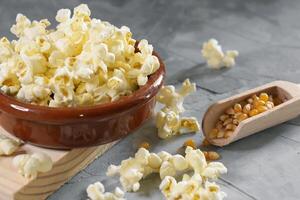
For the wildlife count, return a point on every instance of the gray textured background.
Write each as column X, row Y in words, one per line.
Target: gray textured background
column 267, row 35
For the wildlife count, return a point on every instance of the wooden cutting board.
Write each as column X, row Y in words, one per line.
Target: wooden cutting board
column 66, row 165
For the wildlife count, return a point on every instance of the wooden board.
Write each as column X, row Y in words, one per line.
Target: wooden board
column 66, row 165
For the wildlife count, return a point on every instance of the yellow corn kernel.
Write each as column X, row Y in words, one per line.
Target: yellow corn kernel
column 253, row 112
column 242, row 117
column 237, row 108
column 235, row 121
column 258, row 103
column 255, row 97
column 227, row 121
column 228, row 134
column 247, row 108
column 230, row 111
column 145, row 145
column 250, row 100
column 190, row 143
column 220, row 134
column 211, row 155
column 230, row 127
column 223, row 117
column 213, row 133
column 205, row 143
column 219, row 125
column 264, row 96
column 270, row 105
column 262, row 109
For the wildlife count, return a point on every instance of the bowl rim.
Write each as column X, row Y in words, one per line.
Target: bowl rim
column 32, row 112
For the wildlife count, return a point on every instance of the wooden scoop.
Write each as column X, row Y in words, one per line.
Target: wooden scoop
column 287, row 92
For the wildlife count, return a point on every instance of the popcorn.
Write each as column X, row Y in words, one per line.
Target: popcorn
column 96, row 191
column 215, row 57
column 30, row 165
column 174, row 100
column 86, row 61
column 8, row 146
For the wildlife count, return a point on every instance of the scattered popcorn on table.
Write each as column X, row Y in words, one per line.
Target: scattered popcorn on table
column 84, row 61
column 8, row 146
column 30, row 165
column 96, row 191
column 168, row 120
column 215, row 57
column 132, row 170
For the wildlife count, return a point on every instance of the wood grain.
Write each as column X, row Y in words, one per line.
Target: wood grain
column 66, row 165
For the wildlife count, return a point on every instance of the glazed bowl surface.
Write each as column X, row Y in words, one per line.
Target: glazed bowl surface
column 72, row 127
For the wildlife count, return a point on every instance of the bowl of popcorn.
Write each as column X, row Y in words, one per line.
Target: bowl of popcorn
column 84, row 83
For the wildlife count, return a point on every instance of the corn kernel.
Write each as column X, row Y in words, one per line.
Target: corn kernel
column 227, row 121
column 219, row 125
column 230, row 127
column 237, row 108
column 264, row 96
column 250, row 100
column 190, row 143
column 242, row 117
column 213, row 133
column 205, row 143
column 211, row 155
column 270, row 105
column 262, row 109
column 253, row 112
column 228, row 134
column 235, row 121
column 224, row 117
column 220, row 134
column 230, row 111
column 255, row 97
column 247, row 108
column 258, row 103
column 145, row 145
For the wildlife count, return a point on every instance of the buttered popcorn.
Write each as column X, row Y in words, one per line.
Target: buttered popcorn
column 84, row 61
column 96, row 191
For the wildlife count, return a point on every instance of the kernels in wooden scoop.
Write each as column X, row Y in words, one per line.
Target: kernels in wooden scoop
column 237, row 108
column 264, row 96
column 253, row 112
column 252, row 106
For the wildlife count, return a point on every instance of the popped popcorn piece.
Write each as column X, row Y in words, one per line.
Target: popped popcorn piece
column 7, row 145
column 30, row 165
column 211, row 155
column 190, row 143
column 145, row 145
column 190, row 188
column 96, row 191
column 197, row 162
column 174, row 100
column 215, row 57
column 169, row 123
column 86, row 61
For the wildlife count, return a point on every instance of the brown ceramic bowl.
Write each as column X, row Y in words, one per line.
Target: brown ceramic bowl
column 65, row 128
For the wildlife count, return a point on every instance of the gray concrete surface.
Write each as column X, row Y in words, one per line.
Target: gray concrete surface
column 267, row 35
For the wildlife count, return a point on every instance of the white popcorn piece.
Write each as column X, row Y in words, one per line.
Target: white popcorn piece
column 30, row 165
column 215, row 57
column 87, row 61
column 197, row 162
column 8, row 146
column 96, row 191
column 169, row 123
column 174, row 100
